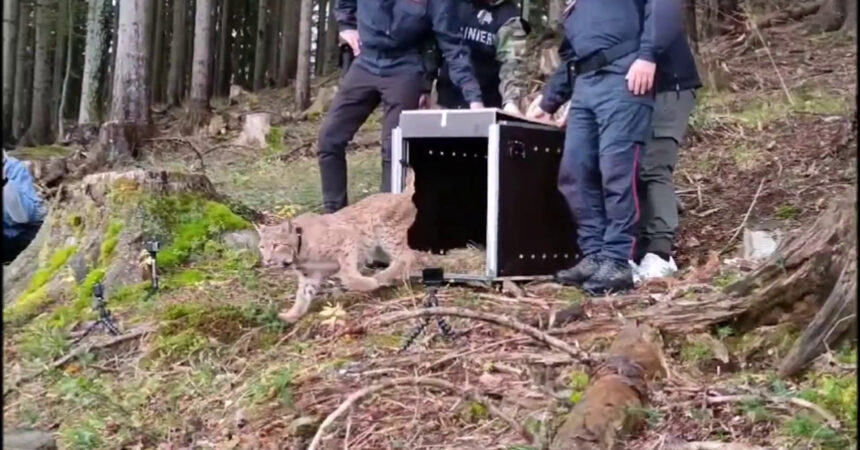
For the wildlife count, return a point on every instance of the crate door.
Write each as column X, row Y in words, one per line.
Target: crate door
column 535, row 234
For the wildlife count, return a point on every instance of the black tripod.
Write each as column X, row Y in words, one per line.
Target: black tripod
column 431, row 278
column 104, row 315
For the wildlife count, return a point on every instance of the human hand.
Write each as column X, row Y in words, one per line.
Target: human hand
column 640, row 77
column 476, row 105
column 352, row 39
column 512, row 109
column 424, row 101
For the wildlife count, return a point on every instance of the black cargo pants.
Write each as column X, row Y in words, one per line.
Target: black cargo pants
column 657, row 200
column 359, row 94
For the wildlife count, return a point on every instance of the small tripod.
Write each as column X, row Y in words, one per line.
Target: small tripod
column 431, row 278
column 104, row 315
column 152, row 247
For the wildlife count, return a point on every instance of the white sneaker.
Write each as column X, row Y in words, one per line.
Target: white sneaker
column 653, row 266
column 634, row 268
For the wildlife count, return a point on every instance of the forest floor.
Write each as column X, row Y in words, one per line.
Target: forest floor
column 220, row 371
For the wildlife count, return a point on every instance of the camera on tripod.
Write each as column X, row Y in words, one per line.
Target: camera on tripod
column 433, row 277
column 152, row 247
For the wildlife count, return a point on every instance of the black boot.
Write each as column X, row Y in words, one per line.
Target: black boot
column 582, row 271
column 613, row 275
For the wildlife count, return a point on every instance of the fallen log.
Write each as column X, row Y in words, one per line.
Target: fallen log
column 619, row 387
column 838, row 315
column 792, row 13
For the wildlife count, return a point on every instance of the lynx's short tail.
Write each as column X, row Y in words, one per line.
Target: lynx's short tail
column 409, row 187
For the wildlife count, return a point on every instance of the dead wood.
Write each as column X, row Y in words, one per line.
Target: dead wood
column 838, row 314
column 805, row 267
column 792, row 13
column 534, row 333
column 618, row 388
column 361, row 394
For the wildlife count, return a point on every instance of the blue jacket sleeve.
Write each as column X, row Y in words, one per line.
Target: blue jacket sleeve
column 345, row 14
column 559, row 88
column 21, row 183
column 662, row 24
column 446, row 26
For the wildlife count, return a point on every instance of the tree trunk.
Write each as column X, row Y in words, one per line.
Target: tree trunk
column 556, row 9
column 62, row 35
column 288, row 61
column 260, row 46
column 831, row 15
column 114, row 29
column 617, row 391
column 176, row 73
column 850, row 24
column 303, row 71
column 157, row 54
column 39, row 132
column 64, row 90
column 190, row 26
column 10, row 49
column 95, row 62
column 691, row 24
column 202, row 63
column 149, row 40
column 274, row 39
column 722, row 17
column 320, row 53
column 331, row 41
column 23, row 70
column 222, row 77
column 129, row 117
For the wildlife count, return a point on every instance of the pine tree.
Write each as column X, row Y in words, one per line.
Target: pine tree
column 95, row 61
column 176, row 72
column 10, row 47
column 303, row 71
column 129, row 120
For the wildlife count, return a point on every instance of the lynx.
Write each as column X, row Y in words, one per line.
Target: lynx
column 318, row 247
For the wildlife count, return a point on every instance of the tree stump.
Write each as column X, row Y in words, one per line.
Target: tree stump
column 619, row 387
column 96, row 231
column 254, row 130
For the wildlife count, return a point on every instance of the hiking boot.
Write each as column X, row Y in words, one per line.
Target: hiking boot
column 613, row 275
column 582, row 271
column 653, row 266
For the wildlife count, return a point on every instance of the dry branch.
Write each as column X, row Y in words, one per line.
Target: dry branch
column 497, row 319
column 361, row 394
column 80, row 350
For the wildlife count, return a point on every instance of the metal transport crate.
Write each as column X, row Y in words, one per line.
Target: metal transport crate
column 487, row 179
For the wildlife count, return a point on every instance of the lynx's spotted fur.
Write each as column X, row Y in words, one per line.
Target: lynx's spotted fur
column 317, row 246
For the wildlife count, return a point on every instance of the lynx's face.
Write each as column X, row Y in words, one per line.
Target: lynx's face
column 279, row 244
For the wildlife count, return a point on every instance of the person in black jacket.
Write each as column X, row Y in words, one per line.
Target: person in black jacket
column 611, row 47
column 676, row 84
column 388, row 38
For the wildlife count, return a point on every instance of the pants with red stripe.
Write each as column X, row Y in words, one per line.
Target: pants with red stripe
column 606, row 126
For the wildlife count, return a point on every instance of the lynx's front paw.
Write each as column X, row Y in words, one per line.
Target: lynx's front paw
column 290, row 316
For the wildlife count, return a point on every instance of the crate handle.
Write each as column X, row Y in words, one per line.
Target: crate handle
column 517, row 149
